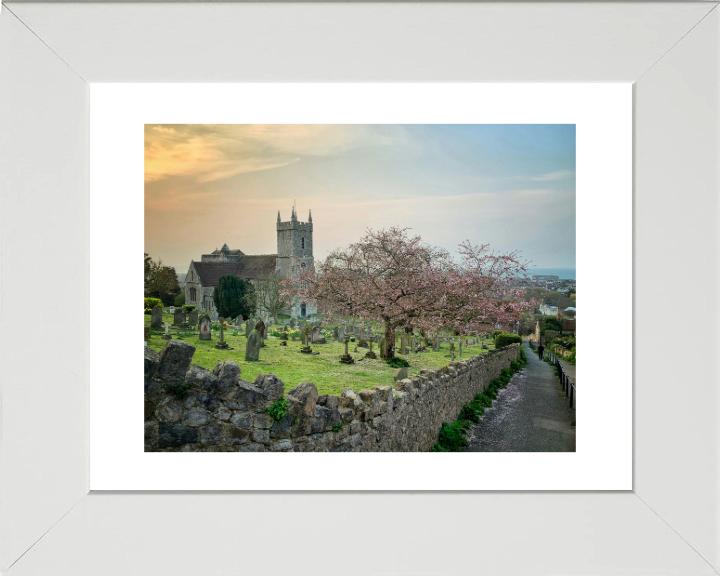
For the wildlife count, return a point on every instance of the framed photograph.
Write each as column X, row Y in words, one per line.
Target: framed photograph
column 239, row 142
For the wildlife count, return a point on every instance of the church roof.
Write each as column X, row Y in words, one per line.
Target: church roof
column 226, row 250
column 248, row 267
column 256, row 266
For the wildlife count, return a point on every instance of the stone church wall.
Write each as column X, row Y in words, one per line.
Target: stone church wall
column 221, row 412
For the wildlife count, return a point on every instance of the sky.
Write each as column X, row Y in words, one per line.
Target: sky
column 510, row 186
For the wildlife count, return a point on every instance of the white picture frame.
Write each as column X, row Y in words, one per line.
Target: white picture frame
column 49, row 523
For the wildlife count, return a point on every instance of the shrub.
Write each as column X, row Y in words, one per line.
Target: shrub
column 397, row 362
column 180, row 299
column 152, row 302
column 178, row 390
column 148, row 310
column 188, row 307
column 451, row 438
column 495, row 333
column 505, row 339
column 278, row 409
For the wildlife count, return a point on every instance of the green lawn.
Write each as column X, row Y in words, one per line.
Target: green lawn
column 323, row 370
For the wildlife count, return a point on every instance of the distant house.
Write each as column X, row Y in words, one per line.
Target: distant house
column 569, row 312
column 546, row 310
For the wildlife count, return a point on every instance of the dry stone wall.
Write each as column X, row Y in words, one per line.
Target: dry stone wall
column 221, row 412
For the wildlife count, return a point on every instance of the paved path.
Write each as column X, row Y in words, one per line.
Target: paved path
column 530, row 414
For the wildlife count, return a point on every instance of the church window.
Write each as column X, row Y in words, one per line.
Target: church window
column 302, row 265
column 302, row 310
column 302, row 243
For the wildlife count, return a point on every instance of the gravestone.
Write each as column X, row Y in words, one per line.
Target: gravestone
column 315, row 335
column 412, row 345
column 306, row 341
column 336, row 333
column 248, row 328
column 221, row 343
column 193, row 318
column 214, row 317
column 156, row 317
column 293, row 338
column 178, row 317
column 167, row 336
column 292, row 322
column 172, row 309
column 383, row 353
column 362, row 343
column 370, row 353
column 252, row 348
column 403, row 344
column 436, row 347
column 346, row 358
column 401, row 374
column 204, row 327
column 341, row 334
column 260, row 326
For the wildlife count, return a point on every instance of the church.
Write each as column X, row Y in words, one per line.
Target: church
column 294, row 252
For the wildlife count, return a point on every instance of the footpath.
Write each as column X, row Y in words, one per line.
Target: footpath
column 531, row 414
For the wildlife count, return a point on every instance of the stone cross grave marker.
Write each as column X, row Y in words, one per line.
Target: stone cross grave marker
column 167, row 336
column 221, row 343
column 346, row 358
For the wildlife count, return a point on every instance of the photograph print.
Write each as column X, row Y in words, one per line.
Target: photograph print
column 360, row 288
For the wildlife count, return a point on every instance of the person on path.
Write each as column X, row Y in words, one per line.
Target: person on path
column 541, row 349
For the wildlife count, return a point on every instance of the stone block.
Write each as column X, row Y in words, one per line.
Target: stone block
column 261, row 436
column 175, row 435
column 272, row 387
column 170, row 410
column 252, row 448
column 263, row 420
column 328, row 401
column 152, row 360
column 242, row 419
column 228, row 376
column 302, row 399
column 151, row 436
column 222, row 413
column 208, row 401
column 196, row 418
column 199, row 377
column 236, row 436
column 174, row 361
column 210, row 434
column 281, row 446
column 247, row 396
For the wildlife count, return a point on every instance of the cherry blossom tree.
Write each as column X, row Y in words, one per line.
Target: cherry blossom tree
column 396, row 279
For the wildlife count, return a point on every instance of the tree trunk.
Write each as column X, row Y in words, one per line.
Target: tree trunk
column 389, row 340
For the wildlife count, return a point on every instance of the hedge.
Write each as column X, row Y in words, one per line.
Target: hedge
column 505, row 339
column 152, row 302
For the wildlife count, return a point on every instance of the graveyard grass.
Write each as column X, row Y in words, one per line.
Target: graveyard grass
column 292, row 367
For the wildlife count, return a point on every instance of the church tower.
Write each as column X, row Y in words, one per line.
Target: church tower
column 294, row 244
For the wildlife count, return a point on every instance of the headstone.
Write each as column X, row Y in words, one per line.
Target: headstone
column 306, row 341
column 167, row 336
column 336, row 333
column 214, row 316
column 252, row 348
column 172, row 309
column 315, row 335
column 401, row 374
column 341, row 334
column 370, row 353
column 383, row 354
column 221, row 343
column 293, row 338
column 193, row 317
column 412, row 345
column 261, row 327
column 436, row 347
column 204, row 327
column 178, row 317
column 346, row 358
column 156, row 317
column 248, row 328
column 403, row 344
column 292, row 322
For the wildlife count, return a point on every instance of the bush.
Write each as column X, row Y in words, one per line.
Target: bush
column 152, row 302
column 451, row 438
column 188, row 307
column 495, row 333
column 278, row 409
column 180, row 299
column 396, row 362
column 505, row 339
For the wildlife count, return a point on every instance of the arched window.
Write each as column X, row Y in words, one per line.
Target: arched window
column 302, row 243
column 302, row 309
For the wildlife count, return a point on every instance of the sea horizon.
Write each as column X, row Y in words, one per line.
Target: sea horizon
column 563, row 273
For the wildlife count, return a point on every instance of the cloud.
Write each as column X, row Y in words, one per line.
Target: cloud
column 205, row 153
column 553, row 176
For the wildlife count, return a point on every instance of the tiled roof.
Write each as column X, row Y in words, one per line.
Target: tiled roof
column 248, row 267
